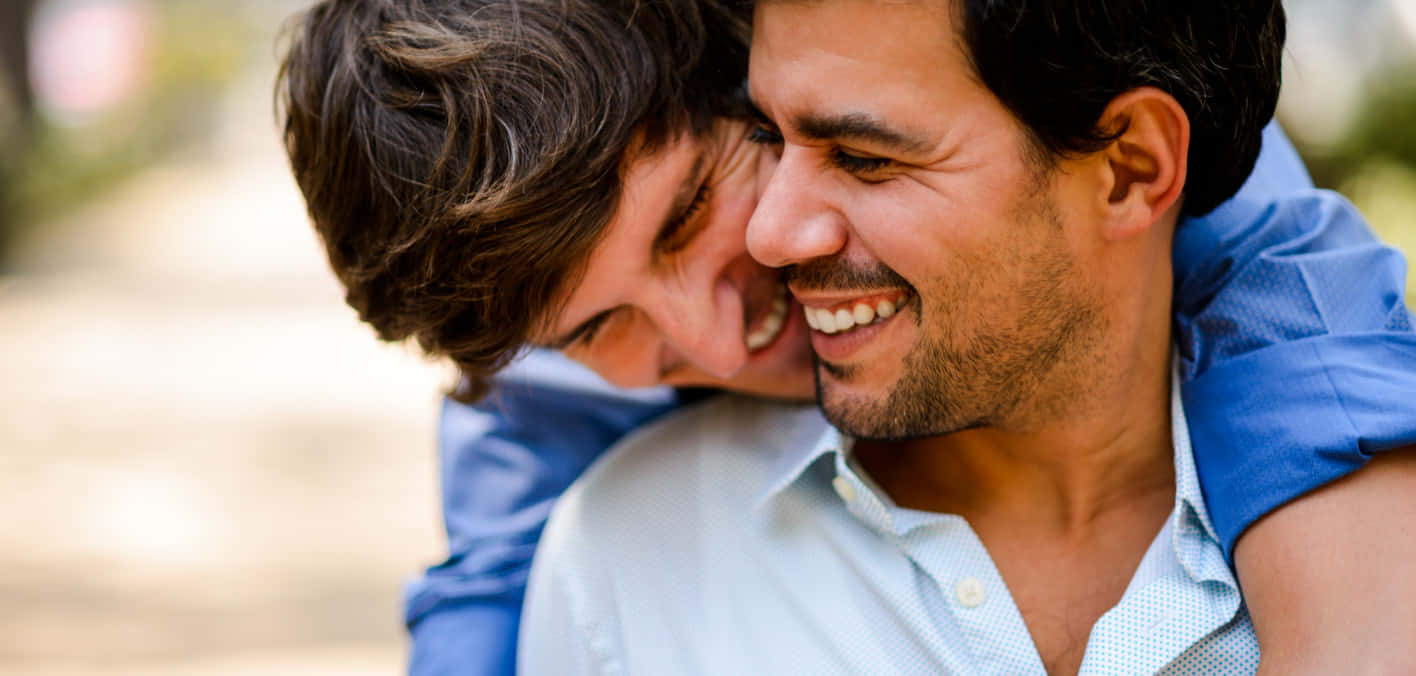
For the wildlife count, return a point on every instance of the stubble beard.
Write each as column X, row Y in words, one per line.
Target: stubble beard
column 999, row 374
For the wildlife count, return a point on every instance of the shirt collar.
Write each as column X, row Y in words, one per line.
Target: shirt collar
column 808, row 438
column 1194, row 539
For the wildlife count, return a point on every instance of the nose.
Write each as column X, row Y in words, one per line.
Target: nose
column 795, row 220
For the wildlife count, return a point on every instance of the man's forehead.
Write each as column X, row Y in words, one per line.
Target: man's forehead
column 853, row 70
column 807, row 52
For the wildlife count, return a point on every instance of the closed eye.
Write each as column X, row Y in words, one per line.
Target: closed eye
column 585, row 334
column 681, row 230
column 848, row 162
column 856, row 164
column 763, row 136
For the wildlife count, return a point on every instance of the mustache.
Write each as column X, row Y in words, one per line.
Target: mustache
column 836, row 274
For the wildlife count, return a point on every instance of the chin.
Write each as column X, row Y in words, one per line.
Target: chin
column 874, row 406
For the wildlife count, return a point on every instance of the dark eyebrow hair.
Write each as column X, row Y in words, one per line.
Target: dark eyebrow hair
column 859, row 126
column 683, row 198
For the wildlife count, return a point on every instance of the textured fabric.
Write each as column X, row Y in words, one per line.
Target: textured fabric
column 1299, row 357
column 503, row 464
column 738, row 537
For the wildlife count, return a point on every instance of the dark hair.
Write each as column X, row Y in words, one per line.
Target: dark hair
column 460, row 158
column 1056, row 64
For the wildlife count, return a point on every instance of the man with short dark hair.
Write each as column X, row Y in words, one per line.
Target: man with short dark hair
column 1007, row 482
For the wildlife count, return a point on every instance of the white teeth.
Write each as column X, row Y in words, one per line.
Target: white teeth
column 845, row 321
column 826, row 321
column 774, row 322
column 772, row 325
column 863, row 314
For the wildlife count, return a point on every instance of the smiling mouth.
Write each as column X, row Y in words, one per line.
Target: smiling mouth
column 851, row 315
column 773, row 324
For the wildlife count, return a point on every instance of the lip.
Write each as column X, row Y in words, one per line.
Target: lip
column 832, row 300
column 841, row 347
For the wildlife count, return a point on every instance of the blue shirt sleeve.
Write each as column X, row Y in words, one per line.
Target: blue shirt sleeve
column 503, row 464
column 1297, row 350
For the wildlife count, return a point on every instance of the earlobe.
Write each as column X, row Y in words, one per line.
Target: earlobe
column 1145, row 164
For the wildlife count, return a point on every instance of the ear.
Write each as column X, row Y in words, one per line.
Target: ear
column 1144, row 168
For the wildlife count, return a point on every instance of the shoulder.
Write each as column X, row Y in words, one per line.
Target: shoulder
column 653, row 512
column 639, row 544
column 699, row 466
column 726, row 444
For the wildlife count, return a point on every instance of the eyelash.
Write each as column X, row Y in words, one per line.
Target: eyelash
column 764, row 136
column 587, row 334
column 843, row 160
column 856, row 164
column 669, row 240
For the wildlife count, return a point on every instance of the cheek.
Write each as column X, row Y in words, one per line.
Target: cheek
column 912, row 231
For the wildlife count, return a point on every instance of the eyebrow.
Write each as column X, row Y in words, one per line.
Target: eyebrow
column 857, row 126
column 683, row 197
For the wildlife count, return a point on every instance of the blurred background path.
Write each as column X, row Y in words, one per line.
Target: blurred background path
column 207, row 465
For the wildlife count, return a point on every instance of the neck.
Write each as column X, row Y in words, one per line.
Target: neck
column 1098, row 449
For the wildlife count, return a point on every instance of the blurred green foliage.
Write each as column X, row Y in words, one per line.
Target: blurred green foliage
column 1374, row 163
column 196, row 48
column 1386, row 128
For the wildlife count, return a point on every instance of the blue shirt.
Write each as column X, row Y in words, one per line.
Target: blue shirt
column 739, row 537
column 1298, row 361
column 503, row 463
column 1299, row 358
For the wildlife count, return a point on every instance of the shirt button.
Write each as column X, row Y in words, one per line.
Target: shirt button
column 843, row 488
column 970, row 592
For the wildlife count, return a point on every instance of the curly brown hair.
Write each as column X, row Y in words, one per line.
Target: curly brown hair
column 461, row 158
